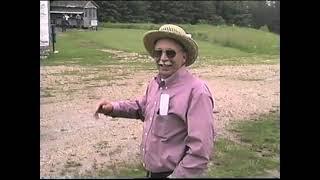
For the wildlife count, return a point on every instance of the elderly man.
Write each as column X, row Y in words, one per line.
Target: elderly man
column 177, row 109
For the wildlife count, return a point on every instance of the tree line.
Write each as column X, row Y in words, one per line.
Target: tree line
column 255, row 14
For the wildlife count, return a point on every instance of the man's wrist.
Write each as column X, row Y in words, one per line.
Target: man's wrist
column 108, row 113
column 107, row 109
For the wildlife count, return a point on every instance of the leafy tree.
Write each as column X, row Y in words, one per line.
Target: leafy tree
column 242, row 13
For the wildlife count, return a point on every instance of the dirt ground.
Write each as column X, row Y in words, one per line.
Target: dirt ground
column 72, row 142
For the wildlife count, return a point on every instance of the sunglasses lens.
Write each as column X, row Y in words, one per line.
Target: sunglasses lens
column 157, row 53
column 171, row 53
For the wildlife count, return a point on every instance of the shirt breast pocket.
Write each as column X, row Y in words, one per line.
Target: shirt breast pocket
column 161, row 126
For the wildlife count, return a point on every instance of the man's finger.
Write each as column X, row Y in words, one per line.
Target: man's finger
column 99, row 108
column 104, row 107
column 96, row 115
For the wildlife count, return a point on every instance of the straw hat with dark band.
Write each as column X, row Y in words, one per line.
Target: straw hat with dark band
column 173, row 32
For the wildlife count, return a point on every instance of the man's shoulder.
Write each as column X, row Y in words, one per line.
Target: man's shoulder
column 152, row 82
column 194, row 80
column 199, row 85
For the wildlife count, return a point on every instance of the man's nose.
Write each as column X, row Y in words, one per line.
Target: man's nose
column 164, row 57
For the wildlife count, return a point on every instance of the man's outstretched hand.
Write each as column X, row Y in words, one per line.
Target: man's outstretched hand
column 104, row 107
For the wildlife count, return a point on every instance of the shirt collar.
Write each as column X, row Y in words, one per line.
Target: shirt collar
column 173, row 79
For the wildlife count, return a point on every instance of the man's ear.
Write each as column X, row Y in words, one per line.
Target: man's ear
column 184, row 57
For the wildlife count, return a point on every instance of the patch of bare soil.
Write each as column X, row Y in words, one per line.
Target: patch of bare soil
column 123, row 56
column 72, row 142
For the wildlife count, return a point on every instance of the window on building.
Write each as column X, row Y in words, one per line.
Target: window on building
column 90, row 13
column 94, row 15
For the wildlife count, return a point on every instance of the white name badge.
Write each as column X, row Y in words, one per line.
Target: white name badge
column 164, row 104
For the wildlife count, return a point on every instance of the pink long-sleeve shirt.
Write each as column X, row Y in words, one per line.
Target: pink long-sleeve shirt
column 182, row 140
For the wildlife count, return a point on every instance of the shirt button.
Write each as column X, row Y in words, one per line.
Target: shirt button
column 142, row 149
column 146, row 133
column 155, row 103
column 150, row 119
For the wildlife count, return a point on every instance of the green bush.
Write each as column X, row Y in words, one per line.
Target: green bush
column 264, row 28
column 200, row 36
column 217, row 20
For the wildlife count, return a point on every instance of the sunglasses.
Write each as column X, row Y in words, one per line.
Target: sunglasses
column 169, row 53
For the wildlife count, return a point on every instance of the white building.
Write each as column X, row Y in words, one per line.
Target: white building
column 44, row 28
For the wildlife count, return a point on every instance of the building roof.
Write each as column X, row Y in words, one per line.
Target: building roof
column 66, row 12
column 71, row 3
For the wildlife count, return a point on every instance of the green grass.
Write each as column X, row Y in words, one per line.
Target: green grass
column 124, row 170
column 46, row 92
column 257, row 152
column 262, row 59
column 245, row 39
column 262, row 133
column 145, row 26
column 123, row 39
column 82, row 47
column 234, row 160
column 131, row 40
column 207, row 49
column 76, row 50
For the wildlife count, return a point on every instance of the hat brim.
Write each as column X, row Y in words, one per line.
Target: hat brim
column 189, row 44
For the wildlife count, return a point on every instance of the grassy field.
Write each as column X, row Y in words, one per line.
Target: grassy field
column 217, row 45
column 256, row 148
column 245, row 39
